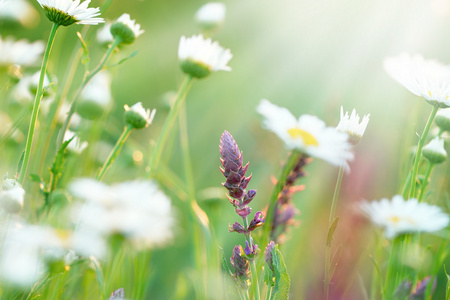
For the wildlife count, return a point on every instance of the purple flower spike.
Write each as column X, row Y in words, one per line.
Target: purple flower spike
column 243, row 212
column 268, row 255
column 236, row 227
column 118, row 294
column 257, row 221
column 251, row 250
column 240, row 266
column 422, row 287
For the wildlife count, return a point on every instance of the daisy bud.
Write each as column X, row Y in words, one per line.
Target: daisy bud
column 211, row 15
column 11, row 196
column 443, row 119
column 126, row 29
column 137, row 117
column 200, row 57
column 68, row 12
column 435, row 151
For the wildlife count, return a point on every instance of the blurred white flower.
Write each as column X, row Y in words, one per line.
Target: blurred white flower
column 426, row 78
column 352, row 126
column 68, row 12
column 126, row 29
column 307, row 134
column 199, row 57
column 137, row 116
column 96, row 97
column 399, row 216
column 75, row 145
column 12, row 196
column 25, row 90
column 18, row 10
column 20, row 52
column 104, row 35
column 138, row 210
column 434, row 151
column 211, row 15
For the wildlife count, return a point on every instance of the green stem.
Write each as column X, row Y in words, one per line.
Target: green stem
column 426, row 180
column 337, row 189
column 405, row 190
column 418, row 156
column 37, row 103
column 23, row 113
column 392, row 271
column 115, row 152
column 157, row 151
column 80, row 90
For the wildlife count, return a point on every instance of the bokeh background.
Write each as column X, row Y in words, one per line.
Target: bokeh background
column 311, row 56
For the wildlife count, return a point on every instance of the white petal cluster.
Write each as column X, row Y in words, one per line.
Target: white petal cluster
column 19, row 11
column 138, row 210
column 211, row 14
column 11, row 196
column 76, row 145
column 126, row 20
column 25, row 90
column 104, row 35
column 398, row 216
column 308, row 134
column 98, row 90
column 204, row 52
column 20, row 52
column 426, row 78
column 350, row 124
column 79, row 12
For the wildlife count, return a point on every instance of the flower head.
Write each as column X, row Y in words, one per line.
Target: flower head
column 18, row 10
column 126, row 29
column 434, row 151
column 199, row 57
column 11, row 196
column 443, row 119
column 96, row 97
column 68, row 12
column 75, row 145
column 352, row 126
column 211, row 15
column 137, row 116
column 20, row 52
column 104, row 35
column 426, row 78
column 307, row 134
column 399, row 216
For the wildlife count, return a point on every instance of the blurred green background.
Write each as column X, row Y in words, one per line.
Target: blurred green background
column 311, row 56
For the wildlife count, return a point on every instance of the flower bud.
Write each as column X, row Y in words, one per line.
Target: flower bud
column 11, row 196
column 443, row 119
column 435, row 151
column 126, row 29
column 137, row 116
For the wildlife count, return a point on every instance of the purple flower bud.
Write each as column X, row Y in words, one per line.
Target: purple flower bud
column 249, row 197
column 257, row 221
column 118, row 294
column 236, row 227
column 403, row 290
column 422, row 287
column 244, row 211
column 251, row 250
column 268, row 255
column 240, row 266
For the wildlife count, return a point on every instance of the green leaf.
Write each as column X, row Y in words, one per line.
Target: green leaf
column 282, row 279
column 447, row 292
column 331, row 231
column 57, row 167
column 99, row 272
column 85, row 57
column 224, row 263
column 124, row 59
column 19, row 166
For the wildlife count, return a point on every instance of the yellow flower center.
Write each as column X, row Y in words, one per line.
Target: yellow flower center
column 394, row 219
column 308, row 139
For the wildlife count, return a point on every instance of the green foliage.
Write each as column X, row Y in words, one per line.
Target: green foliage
column 278, row 279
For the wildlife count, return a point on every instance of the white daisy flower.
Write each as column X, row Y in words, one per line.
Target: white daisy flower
column 211, row 15
column 20, row 52
column 399, row 216
column 19, row 11
column 352, row 126
column 307, row 134
column 426, row 78
column 96, row 97
column 138, row 210
column 126, row 29
column 434, row 151
column 137, row 116
column 104, row 35
column 199, row 57
column 68, row 12
column 75, row 146
column 12, row 196
column 24, row 91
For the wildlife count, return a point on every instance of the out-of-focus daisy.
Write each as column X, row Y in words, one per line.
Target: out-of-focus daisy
column 20, row 52
column 11, row 196
column 426, row 78
column 307, row 134
column 399, row 216
column 126, row 29
column 19, row 11
column 75, row 145
column 96, row 97
column 24, row 91
column 104, row 35
column 68, row 12
column 137, row 116
column 352, row 126
column 211, row 15
column 434, row 151
column 137, row 210
column 199, row 57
